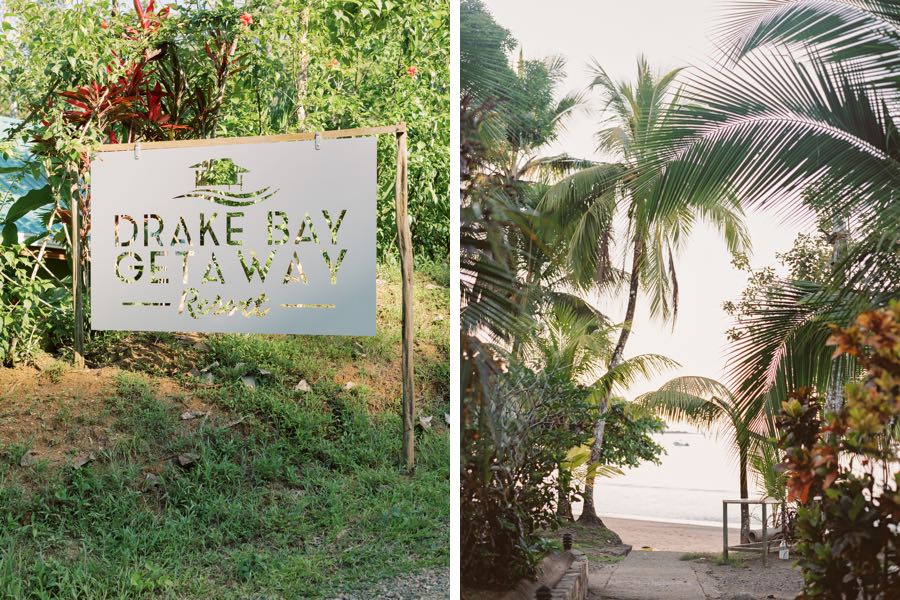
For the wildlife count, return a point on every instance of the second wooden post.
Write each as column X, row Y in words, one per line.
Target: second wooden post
column 404, row 238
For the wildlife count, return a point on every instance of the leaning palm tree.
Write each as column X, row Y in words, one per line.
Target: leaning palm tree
column 706, row 404
column 588, row 204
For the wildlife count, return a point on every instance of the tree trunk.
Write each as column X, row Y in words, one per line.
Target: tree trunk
column 834, row 397
column 563, row 506
column 839, row 238
column 745, row 509
column 633, row 288
column 589, row 515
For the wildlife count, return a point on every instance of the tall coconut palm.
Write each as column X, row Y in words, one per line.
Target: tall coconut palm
column 588, row 204
column 706, row 404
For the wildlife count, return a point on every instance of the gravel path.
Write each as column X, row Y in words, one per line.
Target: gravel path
column 433, row 584
column 651, row 575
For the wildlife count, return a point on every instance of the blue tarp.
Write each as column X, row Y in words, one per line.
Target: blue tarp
column 17, row 184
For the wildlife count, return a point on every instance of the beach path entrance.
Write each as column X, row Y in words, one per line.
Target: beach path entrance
column 644, row 575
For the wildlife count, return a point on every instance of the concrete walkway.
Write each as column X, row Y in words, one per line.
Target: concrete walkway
column 645, row 575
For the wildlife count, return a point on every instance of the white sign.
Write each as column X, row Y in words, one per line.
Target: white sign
column 258, row 237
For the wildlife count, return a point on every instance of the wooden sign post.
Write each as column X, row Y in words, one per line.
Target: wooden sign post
column 404, row 237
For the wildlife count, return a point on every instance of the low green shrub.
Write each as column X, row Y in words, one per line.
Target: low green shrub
column 35, row 311
column 513, row 444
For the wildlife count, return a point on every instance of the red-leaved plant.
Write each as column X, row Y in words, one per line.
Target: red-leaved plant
column 160, row 91
column 842, row 470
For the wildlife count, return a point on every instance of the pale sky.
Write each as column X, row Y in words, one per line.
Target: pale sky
column 671, row 34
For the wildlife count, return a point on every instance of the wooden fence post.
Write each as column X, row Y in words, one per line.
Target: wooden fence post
column 77, row 288
column 404, row 237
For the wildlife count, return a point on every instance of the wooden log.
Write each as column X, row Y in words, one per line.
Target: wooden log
column 404, row 237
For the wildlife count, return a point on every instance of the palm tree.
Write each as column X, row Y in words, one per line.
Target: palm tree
column 706, row 403
column 804, row 116
column 587, row 203
column 538, row 121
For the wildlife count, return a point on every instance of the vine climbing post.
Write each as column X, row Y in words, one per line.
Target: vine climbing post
column 404, row 238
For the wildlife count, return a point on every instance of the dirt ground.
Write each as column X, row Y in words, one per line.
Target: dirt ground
column 60, row 413
column 778, row 580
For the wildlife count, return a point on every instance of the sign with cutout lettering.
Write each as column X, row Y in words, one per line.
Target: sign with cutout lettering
column 256, row 237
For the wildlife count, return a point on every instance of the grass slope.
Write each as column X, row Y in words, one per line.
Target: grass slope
column 289, row 494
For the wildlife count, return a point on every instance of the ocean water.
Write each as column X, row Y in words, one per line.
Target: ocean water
column 688, row 485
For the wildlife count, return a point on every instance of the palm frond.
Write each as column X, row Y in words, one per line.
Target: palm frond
column 866, row 32
column 629, row 372
column 553, row 167
column 783, row 345
column 773, row 126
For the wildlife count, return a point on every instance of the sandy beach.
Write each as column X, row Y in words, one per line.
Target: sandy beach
column 670, row 536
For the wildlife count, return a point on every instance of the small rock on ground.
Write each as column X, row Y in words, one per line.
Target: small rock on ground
column 433, row 584
column 621, row 550
column 29, row 459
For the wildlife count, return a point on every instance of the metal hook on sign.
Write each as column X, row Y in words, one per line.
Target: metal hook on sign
column 137, row 151
column 318, row 139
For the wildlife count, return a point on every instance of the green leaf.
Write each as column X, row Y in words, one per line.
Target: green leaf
column 27, row 203
column 10, row 233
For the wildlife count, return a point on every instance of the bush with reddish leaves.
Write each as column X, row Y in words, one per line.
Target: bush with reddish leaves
column 159, row 90
column 842, row 470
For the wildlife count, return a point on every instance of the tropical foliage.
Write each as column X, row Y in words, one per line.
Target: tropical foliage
column 97, row 73
column 35, row 313
column 803, row 119
column 100, row 72
column 798, row 116
column 509, row 411
column 519, row 438
column 589, row 203
column 524, row 317
column 841, row 469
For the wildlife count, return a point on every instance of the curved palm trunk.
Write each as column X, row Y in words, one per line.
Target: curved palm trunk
column 633, row 288
column 589, row 515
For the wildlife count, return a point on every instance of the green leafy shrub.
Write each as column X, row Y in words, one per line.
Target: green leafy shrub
column 513, row 445
column 35, row 312
column 81, row 76
column 848, row 522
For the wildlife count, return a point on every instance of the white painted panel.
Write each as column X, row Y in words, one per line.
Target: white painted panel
column 287, row 182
